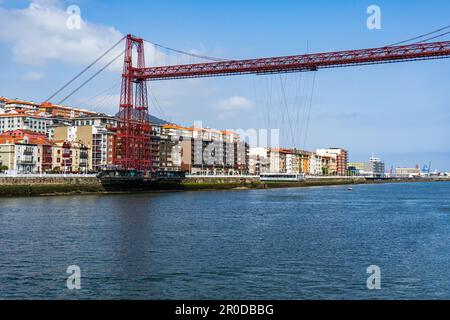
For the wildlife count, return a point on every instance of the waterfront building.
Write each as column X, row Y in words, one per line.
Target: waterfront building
column 230, row 136
column 213, row 152
column 70, row 157
column 58, row 111
column 407, row 172
column 340, row 157
column 98, row 120
column 258, row 161
column 315, row 165
column 20, row 106
column 25, row 152
column 285, row 160
column 170, row 149
column 378, row 167
column 97, row 138
column 329, row 165
column 23, row 121
column 241, row 156
column 359, row 168
column 275, row 161
column 214, row 157
column 375, row 168
column 297, row 161
column 19, row 156
column 304, row 161
column 176, row 132
column 292, row 164
column 3, row 101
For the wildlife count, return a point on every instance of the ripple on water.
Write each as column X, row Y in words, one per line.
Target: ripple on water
column 305, row 243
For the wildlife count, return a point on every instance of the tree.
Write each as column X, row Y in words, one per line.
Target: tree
column 4, row 168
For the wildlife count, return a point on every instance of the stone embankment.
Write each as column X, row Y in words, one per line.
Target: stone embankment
column 38, row 186
column 75, row 185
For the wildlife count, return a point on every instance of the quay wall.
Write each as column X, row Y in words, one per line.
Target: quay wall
column 75, row 185
column 39, row 186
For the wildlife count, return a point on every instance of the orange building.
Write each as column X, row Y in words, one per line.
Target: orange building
column 35, row 150
column 58, row 111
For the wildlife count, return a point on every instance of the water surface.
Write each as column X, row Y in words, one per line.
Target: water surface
column 307, row 243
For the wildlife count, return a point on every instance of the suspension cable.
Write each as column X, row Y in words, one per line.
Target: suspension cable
column 309, row 110
column 91, row 78
column 435, row 37
column 187, row 53
column 419, row 37
column 85, row 69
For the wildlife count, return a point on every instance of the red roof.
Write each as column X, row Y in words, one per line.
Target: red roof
column 19, row 135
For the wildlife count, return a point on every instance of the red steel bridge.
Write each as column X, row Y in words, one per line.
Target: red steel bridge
column 133, row 144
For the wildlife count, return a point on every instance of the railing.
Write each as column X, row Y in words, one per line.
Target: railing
column 257, row 177
column 332, row 177
column 46, row 175
column 222, row 176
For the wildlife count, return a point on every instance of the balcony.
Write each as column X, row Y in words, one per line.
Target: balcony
column 29, row 162
column 84, row 155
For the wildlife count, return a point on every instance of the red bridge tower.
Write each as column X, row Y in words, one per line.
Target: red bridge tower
column 133, row 148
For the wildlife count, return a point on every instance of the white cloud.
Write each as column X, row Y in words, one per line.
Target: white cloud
column 33, row 76
column 234, row 103
column 232, row 107
column 39, row 35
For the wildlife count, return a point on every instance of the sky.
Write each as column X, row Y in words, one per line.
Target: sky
column 400, row 111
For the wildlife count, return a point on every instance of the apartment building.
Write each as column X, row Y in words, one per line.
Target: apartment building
column 214, row 157
column 275, row 161
column 340, row 159
column 98, row 139
column 58, row 111
column 329, row 165
column 19, row 156
column 304, row 158
column 25, row 152
column 23, row 121
column 315, row 165
column 70, row 157
column 375, row 168
column 3, row 101
column 20, row 106
column 201, row 150
column 258, row 161
column 407, row 172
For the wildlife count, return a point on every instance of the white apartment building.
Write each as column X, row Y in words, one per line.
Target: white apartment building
column 258, row 160
column 98, row 121
column 18, row 105
column 290, row 163
column 20, row 157
column 11, row 122
column 274, row 157
column 2, row 104
column 315, row 165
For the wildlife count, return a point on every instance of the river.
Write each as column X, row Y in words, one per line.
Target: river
column 306, row 243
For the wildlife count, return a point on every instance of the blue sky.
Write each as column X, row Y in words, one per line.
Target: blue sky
column 400, row 111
